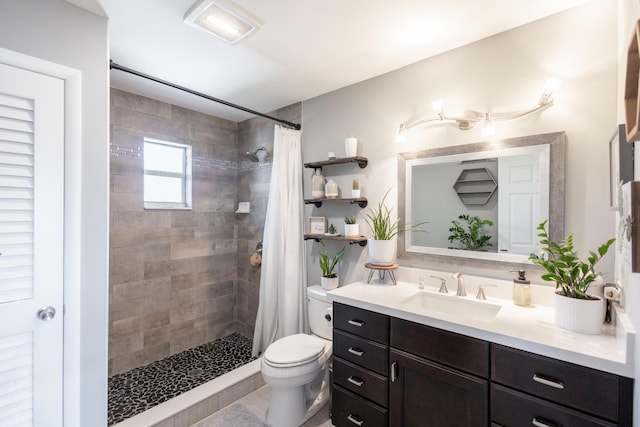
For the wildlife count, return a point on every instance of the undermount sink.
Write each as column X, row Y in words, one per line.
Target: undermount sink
column 452, row 305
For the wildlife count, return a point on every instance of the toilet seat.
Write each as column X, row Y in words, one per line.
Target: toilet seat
column 294, row 350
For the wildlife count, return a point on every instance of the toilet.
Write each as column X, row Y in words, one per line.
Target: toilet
column 296, row 367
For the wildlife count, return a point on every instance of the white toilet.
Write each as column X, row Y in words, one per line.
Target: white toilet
column 297, row 367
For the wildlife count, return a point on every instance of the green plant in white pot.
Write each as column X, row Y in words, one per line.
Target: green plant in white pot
column 575, row 308
column 329, row 279
column 382, row 244
column 351, row 228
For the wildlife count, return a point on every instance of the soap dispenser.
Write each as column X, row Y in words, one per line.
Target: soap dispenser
column 521, row 289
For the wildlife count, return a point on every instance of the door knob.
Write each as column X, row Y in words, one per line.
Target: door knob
column 46, row 313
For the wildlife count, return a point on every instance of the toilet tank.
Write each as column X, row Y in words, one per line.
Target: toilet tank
column 319, row 308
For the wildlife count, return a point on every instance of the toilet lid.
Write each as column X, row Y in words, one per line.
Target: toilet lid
column 294, row 350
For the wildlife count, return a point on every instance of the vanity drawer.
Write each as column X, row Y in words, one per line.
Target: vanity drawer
column 578, row 387
column 512, row 408
column 364, row 323
column 350, row 410
column 458, row 351
column 368, row 354
column 361, row 381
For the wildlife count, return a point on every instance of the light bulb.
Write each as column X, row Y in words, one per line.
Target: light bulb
column 402, row 133
column 487, row 125
column 438, row 108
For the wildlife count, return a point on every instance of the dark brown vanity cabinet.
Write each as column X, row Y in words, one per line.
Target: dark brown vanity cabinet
column 389, row 371
column 529, row 389
column 360, row 367
column 438, row 378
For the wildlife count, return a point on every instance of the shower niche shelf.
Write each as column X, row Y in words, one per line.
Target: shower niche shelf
column 360, row 240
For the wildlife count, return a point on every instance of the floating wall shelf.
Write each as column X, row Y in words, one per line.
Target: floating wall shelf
column 361, row 161
column 361, row 201
column 361, row 240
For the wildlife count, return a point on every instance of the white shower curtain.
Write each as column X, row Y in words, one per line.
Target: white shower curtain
column 282, row 309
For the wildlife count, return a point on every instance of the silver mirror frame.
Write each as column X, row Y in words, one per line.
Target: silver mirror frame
column 556, row 142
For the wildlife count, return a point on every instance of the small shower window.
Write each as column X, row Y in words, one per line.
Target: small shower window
column 167, row 175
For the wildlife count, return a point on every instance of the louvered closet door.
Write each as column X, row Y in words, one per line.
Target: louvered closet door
column 31, row 244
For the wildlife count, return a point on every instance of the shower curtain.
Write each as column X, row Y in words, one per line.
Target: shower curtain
column 282, row 309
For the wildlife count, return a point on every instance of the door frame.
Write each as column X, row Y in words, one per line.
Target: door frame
column 72, row 221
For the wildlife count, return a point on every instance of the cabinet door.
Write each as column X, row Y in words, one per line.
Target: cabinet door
column 424, row 393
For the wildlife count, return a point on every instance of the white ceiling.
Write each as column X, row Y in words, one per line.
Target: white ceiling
column 304, row 49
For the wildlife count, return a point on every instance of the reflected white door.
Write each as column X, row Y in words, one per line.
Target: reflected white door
column 522, row 202
column 31, row 244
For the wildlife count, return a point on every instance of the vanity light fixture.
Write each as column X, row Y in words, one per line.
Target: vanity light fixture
column 223, row 19
column 470, row 118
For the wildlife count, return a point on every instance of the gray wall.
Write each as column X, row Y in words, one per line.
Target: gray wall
column 505, row 72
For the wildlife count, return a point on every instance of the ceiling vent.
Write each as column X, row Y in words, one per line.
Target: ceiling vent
column 223, row 19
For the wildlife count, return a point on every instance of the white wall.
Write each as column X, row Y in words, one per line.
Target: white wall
column 61, row 33
column 502, row 73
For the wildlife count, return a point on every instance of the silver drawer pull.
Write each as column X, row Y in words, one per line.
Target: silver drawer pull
column 355, row 419
column 355, row 381
column 548, row 381
column 539, row 423
column 356, row 351
column 356, row 322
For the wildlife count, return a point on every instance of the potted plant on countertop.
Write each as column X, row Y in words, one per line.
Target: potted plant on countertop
column 575, row 309
column 351, row 229
column 329, row 279
column 382, row 244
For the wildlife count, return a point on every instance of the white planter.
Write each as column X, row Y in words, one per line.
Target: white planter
column 329, row 283
column 382, row 252
column 351, row 230
column 579, row 315
column 355, row 193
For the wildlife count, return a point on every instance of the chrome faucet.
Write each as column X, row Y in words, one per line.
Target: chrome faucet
column 443, row 285
column 461, row 292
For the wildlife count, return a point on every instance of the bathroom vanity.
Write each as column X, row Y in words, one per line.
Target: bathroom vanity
column 400, row 361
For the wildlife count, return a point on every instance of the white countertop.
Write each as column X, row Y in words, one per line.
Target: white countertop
column 527, row 328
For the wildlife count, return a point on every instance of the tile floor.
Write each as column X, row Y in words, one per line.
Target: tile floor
column 258, row 401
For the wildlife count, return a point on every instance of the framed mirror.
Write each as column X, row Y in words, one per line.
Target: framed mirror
column 500, row 189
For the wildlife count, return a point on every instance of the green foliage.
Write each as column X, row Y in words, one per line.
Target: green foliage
column 470, row 233
column 332, row 229
column 327, row 264
column 350, row 219
column 381, row 225
column 355, row 185
column 572, row 276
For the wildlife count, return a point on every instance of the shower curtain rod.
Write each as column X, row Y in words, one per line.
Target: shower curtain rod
column 114, row 66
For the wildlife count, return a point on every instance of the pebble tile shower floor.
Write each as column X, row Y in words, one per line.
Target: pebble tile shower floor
column 139, row 389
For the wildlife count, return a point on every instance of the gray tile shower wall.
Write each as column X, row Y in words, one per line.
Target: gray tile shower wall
column 179, row 279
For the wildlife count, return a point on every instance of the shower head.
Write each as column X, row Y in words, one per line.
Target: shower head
column 257, row 155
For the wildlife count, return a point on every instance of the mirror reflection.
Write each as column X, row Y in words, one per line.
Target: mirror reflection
column 484, row 200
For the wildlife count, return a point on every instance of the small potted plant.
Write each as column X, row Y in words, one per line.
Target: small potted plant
column 382, row 244
column 329, row 279
column 575, row 309
column 470, row 233
column 355, row 189
column 351, row 229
